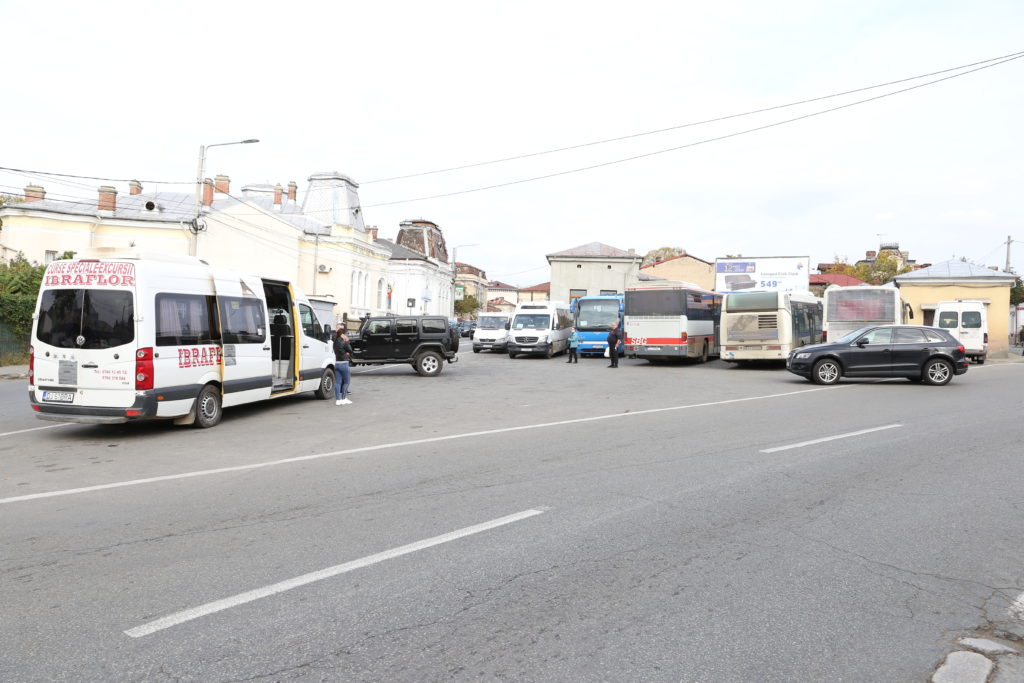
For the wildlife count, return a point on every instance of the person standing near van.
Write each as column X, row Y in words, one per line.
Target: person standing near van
column 574, row 341
column 342, row 372
column 614, row 340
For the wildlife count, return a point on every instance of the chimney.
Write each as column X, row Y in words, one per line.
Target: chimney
column 632, row 252
column 277, row 196
column 293, row 191
column 207, row 192
column 373, row 233
column 34, row 193
column 108, row 198
column 135, row 186
column 222, row 184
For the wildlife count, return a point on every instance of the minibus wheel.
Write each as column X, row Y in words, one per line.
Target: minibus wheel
column 208, row 408
column 326, row 388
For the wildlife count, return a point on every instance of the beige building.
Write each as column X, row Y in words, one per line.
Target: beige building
column 684, row 267
column 470, row 281
column 541, row 292
column 591, row 269
column 955, row 279
column 320, row 243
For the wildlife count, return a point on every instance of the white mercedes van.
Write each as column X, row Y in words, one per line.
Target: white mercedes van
column 124, row 335
column 491, row 333
column 966, row 320
column 539, row 328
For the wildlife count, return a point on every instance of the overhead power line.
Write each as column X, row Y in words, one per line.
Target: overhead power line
column 693, row 144
column 689, row 125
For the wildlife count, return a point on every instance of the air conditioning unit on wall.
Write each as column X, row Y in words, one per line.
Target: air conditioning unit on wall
column 323, row 269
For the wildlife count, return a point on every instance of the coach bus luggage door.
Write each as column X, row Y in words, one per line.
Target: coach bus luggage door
column 242, row 312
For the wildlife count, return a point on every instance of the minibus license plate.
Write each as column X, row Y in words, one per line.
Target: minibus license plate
column 59, row 396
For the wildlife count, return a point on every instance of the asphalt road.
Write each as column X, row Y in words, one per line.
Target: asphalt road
column 521, row 520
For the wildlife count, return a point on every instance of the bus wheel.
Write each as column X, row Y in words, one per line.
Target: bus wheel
column 326, row 388
column 208, row 408
column 704, row 354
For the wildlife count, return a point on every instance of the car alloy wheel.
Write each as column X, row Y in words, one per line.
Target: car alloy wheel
column 938, row 372
column 826, row 371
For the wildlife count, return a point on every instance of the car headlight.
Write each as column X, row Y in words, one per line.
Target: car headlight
column 542, row 338
column 803, row 356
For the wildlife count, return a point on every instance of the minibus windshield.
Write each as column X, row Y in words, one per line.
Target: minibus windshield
column 531, row 321
column 86, row 318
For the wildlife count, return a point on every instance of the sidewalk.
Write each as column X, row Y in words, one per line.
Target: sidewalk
column 13, row 372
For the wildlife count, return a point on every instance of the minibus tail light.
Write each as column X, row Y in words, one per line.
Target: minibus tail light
column 986, row 337
column 144, row 369
column 31, row 365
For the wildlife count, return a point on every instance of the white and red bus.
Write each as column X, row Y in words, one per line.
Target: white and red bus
column 667, row 319
column 848, row 309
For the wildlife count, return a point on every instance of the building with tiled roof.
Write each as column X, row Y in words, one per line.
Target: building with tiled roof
column 685, row 268
column 955, row 279
column 819, row 282
column 591, row 269
column 503, row 290
column 541, row 292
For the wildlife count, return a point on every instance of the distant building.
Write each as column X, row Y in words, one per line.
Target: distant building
column 684, row 267
column 824, row 280
column 590, row 269
column 470, row 281
column 500, row 305
column 541, row 292
column 496, row 289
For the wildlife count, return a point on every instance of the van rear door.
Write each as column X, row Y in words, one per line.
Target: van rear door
column 242, row 308
column 85, row 338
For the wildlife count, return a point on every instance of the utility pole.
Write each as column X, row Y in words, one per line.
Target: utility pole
column 1009, row 241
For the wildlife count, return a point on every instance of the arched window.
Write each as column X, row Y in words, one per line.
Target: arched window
column 353, row 297
column 380, row 294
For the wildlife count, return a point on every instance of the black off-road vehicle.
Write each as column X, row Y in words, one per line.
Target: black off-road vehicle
column 423, row 341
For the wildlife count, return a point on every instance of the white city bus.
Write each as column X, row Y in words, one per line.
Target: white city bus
column 851, row 308
column 667, row 319
column 768, row 325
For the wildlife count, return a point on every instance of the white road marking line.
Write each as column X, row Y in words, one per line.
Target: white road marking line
column 828, row 438
column 35, row 429
column 398, row 444
column 1017, row 608
column 282, row 586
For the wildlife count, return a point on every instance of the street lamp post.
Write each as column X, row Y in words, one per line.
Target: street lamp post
column 199, row 185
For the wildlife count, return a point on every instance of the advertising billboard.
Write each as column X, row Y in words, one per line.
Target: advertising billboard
column 762, row 274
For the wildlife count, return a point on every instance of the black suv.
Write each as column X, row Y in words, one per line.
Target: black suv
column 423, row 341
column 921, row 354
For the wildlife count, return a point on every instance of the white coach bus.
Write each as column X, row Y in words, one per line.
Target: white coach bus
column 666, row 320
column 850, row 308
column 130, row 335
column 768, row 325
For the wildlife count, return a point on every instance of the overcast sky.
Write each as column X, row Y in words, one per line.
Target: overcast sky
column 382, row 89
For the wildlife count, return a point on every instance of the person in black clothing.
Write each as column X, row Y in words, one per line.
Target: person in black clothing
column 342, row 373
column 614, row 340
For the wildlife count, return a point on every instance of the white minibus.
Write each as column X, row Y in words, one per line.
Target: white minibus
column 539, row 328
column 124, row 335
column 491, row 333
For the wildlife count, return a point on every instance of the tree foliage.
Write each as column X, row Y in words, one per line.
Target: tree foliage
column 883, row 269
column 467, row 306
column 660, row 254
column 1017, row 292
column 19, row 284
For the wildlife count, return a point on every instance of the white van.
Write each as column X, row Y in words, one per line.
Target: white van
column 967, row 321
column 126, row 335
column 539, row 328
column 491, row 333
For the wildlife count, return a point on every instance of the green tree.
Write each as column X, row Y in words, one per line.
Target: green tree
column 660, row 254
column 467, row 306
column 19, row 284
column 8, row 199
column 878, row 272
column 1017, row 292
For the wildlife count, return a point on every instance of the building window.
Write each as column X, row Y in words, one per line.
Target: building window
column 579, row 265
column 380, row 294
column 608, row 291
column 576, row 294
column 609, row 266
column 49, row 258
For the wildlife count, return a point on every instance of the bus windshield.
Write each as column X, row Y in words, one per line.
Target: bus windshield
column 597, row 315
column 752, row 301
column 861, row 304
column 490, row 322
column 531, row 321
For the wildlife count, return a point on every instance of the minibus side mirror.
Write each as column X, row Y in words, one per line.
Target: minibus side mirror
column 508, row 326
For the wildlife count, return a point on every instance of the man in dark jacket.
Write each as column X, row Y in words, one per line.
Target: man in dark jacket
column 614, row 340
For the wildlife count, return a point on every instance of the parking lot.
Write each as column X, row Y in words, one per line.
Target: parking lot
column 523, row 519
